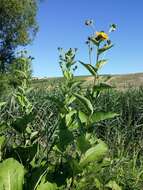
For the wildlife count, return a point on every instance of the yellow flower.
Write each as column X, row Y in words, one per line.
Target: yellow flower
column 101, row 36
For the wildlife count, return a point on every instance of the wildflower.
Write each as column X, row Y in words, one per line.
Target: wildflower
column 101, row 36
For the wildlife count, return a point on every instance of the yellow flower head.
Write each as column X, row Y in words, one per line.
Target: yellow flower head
column 102, row 36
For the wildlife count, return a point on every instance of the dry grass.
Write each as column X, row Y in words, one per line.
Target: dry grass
column 134, row 80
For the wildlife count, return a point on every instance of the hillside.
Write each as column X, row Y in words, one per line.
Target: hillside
column 120, row 81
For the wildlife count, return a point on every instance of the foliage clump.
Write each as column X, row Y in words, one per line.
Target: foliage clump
column 18, row 27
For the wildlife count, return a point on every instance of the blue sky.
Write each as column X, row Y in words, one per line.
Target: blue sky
column 61, row 24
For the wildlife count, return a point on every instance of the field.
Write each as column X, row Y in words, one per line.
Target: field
column 121, row 168
column 121, row 82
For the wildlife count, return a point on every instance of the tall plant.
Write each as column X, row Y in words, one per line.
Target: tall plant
column 77, row 146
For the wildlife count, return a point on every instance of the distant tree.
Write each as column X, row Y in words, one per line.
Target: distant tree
column 18, row 27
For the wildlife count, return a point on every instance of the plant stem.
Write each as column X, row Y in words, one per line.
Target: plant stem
column 90, row 58
column 97, row 58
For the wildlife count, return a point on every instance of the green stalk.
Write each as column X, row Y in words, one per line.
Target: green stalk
column 97, row 58
column 90, row 58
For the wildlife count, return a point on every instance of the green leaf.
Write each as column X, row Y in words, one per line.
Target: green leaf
column 2, row 141
column 83, row 117
column 102, row 86
column 24, row 154
column 85, row 102
column 100, row 116
column 83, row 144
column 74, row 125
column 95, row 153
column 100, row 63
column 34, row 135
column 65, row 138
column 11, row 175
column 3, row 127
column 36, row 176
column 2, row 104
column 105, row 48
column 76, row 84
column 47, row 186
column 98, row 166
column 63, row 171
column 70, row 100
column 21, row 73
column 21, row 123
column 69, row 117
column 75, row 167
column 113, row 185
column 90, row 68
column 98, row 183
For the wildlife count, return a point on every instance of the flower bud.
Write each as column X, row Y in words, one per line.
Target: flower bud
column 88, row 22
